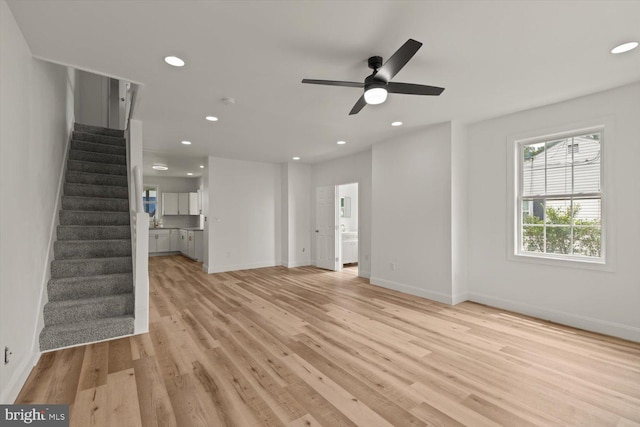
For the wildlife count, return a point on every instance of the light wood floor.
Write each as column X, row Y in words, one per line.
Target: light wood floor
column 307, row 347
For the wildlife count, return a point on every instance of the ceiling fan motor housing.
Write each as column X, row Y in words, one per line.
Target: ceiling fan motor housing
column 375, row 62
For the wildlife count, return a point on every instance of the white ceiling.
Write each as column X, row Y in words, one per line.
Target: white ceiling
column 493, row 58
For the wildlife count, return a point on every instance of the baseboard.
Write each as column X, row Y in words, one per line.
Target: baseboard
column 458, row 298
column 296, row 264
column 412, row 290
column 16, row 382
column 577, row 321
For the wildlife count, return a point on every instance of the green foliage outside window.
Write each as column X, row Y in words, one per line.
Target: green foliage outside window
column 586, row 233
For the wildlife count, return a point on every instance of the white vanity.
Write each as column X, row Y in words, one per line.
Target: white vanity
column 349, row 246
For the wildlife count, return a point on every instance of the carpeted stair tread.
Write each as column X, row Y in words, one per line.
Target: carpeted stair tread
column 96, row 167
column 56, row 336
column 79, row 203
column 90, row 267
column 89, row 156
column 76, row 177
column 68, row 288
column 97, row 147
column 94, row 218
column 98, row 130
column 81, row 249
column 81, row 310
column 93, row 232
column 89, row 190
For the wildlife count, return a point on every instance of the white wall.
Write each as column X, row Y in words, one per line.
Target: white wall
column 244, row 215
column 36, row 114
column 296, row 214
column 92, row 104
column 459, row 213
column 411, row 241
column 347, row 170
column 604, row 300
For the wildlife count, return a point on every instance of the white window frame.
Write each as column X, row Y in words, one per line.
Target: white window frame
column 577, row 260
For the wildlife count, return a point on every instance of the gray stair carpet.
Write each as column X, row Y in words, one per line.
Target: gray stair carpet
column 91, row 287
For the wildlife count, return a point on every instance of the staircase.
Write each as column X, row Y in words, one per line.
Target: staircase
column 91, row 286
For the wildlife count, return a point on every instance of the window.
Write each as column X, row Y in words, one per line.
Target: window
column 559, row 206
column 150, row 199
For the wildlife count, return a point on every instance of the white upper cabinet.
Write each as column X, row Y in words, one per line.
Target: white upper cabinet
column 180, row 204
column 169, row 203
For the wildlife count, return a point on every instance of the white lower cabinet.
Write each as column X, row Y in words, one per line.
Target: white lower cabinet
column 175, row 240
column 349, row 248
column 159, row 241
column 183, row 243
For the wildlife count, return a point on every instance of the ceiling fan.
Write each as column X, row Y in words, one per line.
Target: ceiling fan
column 378, row 84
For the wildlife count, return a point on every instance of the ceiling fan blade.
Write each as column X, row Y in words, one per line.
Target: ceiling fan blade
column 333, row 83
column 413, row 89
column 398, row 60
column 359, row 106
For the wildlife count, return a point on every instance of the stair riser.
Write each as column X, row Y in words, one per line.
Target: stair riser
column 101, row 168
column 87, row 156
column 99, row 139
column 94, row 204
column 115, row 307
column 93, row 233
column 97, row 130
column 53, row 337
column 83, row 190
column 89, row 287
column 91, row 249
column 89, row 267
column 94, row 218
column 73, row 177
column 96, row 147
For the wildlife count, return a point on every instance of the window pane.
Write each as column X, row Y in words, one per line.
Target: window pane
column 559, row 157
column 587, row 165
column 533, row 238
column 587, row 240
column 532, row 211
column 533, row 164
column 558, row 212
column 558, row 239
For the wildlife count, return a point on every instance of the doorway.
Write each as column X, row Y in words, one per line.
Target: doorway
column 337, row 228
column 347, row 213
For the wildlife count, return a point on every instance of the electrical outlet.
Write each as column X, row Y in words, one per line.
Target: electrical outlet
column 7, row 355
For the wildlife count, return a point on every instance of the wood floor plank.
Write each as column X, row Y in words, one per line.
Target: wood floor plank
column 309, row 347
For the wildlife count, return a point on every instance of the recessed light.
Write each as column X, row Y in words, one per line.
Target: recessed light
column 190, row 173
column 186, row 142
column 160, row 167
column 212, row 118
column 396, row 124
column 341, row 142
column 174, row 60
column 625, row 47
column 296, row 158
column 201, row 166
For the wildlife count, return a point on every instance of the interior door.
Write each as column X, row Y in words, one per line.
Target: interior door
column 326, row 228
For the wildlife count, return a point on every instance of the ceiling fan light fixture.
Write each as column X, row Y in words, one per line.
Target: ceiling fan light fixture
column 375, row 95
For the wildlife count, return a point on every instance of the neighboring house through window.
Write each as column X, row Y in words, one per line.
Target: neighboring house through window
column 559, row 201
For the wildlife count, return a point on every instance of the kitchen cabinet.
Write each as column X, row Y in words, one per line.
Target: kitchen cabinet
column 349, row 247
column 175, row 240
column 169, row 203
column 195, row 245
column 159, row 241
column 184, row 242
column 180, row 204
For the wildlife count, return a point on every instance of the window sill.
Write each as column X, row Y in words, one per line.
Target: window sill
column 579, row 263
